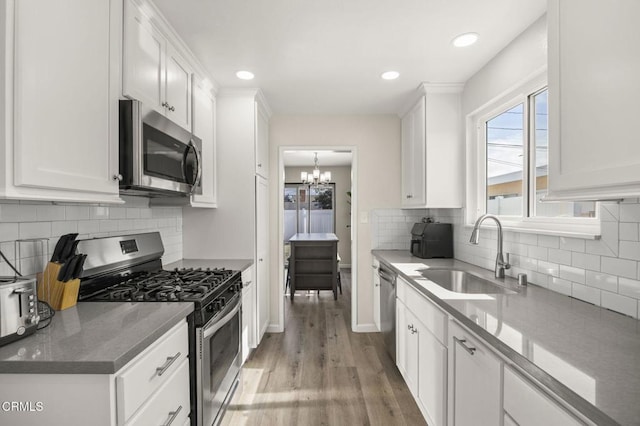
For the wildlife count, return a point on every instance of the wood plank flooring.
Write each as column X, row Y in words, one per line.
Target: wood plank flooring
column 318, row 372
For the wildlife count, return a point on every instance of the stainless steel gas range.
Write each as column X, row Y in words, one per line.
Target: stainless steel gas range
column 129, row 269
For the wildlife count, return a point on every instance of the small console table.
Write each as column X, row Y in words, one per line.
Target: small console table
column 313, row 264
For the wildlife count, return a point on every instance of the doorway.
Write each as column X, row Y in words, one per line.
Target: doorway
column 320, row 207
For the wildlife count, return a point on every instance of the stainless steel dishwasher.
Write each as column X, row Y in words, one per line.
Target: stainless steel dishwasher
column 388, row 308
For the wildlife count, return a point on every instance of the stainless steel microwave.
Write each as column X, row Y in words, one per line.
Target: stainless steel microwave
column 157, row 157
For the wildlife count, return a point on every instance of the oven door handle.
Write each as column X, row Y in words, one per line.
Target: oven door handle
column 219, row 323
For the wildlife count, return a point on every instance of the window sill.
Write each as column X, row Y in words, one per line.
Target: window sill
column 583, row 231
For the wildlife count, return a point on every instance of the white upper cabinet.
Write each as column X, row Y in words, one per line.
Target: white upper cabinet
column 60, row 73
column 154, row 71
column 262, row 141
column 204, row 128
column 432, row 155
column 594, row 148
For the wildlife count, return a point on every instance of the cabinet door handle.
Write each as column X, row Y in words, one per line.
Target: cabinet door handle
column 409, row 196
column 462, row 342
column 259, row 164
column 172, row 416
column 117, row 177
column 165, row 104
column 171, row 108
column 170, row 360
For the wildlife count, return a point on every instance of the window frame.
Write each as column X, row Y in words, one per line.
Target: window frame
column 476, row 182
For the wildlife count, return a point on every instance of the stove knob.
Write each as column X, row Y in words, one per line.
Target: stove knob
column 210, row 308
column 222, row 301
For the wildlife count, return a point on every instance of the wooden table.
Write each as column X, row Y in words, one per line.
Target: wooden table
column 313, row 264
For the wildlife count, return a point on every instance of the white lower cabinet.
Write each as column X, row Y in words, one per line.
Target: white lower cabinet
column 526, row 405
column 421, row 357
column 150, row 389
column 141, row 379
column 248, row 320
column 475, row 381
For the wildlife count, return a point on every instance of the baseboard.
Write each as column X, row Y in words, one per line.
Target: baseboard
column 275, row 328
column 366, row 328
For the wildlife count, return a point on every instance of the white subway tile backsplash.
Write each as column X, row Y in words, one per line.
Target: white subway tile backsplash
column 601, row 281
column 548, row 268
column 540, row 253
column 17, row 213
column 620, row 267
column 133, row 213
column 549, row 241
column 630, row 213
column 35, row 230
column 587, row 294
column 609, row 212
column 629, row 287
column 598, row 247
column 98, row 212
column 572, row 244
column 49, row 212
column 570, row 273
column 9, row 231
column 76, row 212
column 585, row 261
column 605, row 271
column 630, row 250
column 63, row 227
column 618, row 303
column 628, row 231
column 559, row 285
column 560, row 256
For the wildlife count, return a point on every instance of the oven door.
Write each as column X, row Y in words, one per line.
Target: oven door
column 219, row 363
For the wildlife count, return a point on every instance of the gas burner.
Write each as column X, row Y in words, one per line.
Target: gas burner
column 188, row 284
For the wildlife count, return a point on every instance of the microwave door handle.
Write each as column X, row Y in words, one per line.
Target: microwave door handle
column 198, row 166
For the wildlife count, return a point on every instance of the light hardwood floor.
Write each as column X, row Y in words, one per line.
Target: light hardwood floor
column 318, row 372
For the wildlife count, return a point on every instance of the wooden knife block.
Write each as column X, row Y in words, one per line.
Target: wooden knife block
column 57, row 294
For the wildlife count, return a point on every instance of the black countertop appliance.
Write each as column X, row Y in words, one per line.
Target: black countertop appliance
column 430, row 240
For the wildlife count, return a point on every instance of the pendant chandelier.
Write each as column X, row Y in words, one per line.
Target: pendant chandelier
column 315, row 177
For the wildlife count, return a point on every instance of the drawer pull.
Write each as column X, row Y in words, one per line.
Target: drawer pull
column 172, row 416
column 170, row 360
column 462, row 342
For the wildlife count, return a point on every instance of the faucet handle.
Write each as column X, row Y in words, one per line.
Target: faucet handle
column 506, row 263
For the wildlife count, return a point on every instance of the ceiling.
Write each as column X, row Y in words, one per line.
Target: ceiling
column 325, row 158
column 326, row 57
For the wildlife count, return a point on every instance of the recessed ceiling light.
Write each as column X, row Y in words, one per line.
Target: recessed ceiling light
column 390, row 75
column 464, row 40
column 245, row 75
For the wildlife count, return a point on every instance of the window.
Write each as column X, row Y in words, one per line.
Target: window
column 510, row 152
column 308, row 209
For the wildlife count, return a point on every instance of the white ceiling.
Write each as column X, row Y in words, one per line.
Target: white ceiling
column 325, row 158
column 326, row 57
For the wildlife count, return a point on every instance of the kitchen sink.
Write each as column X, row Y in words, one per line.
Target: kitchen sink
column 463, row 282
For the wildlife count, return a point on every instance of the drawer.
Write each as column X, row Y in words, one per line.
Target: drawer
column 171, row 401
column 149, row 370
column 528, row 405
column 431, row 316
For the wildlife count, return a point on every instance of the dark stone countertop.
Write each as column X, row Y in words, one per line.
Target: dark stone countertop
column 92, row 338
column 587, row 355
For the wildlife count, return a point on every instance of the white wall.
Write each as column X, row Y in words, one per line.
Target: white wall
column 524, row 56
column 604, row 272
column 341, row 176
column 24, row 219
column 377, row 139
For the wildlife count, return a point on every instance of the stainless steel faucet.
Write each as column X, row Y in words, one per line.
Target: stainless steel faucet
column 501, row 265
